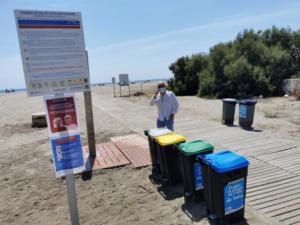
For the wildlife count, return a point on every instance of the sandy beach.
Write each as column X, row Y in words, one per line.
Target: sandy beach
column 30, row 193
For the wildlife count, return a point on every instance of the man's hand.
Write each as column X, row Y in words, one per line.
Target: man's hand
column 156, row 93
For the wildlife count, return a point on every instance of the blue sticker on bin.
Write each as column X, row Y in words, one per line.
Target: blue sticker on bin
column 198, row 177
column 243, row 111
column 234, row 196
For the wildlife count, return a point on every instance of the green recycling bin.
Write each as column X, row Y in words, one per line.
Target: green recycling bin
column 192, row 172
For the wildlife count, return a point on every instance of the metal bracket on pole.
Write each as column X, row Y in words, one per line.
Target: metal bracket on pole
column 72, row 198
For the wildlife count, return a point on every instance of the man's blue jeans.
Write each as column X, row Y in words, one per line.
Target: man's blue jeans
column 166, row 123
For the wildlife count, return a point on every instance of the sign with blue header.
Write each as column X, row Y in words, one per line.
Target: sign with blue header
column 67, row 155
column 198, row 177
column 243, row 111
column 234, row 196
column 53, row 52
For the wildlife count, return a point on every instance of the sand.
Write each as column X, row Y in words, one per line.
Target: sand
column 30, row 193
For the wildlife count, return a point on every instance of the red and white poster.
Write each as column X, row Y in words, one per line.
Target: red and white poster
column 61, row 114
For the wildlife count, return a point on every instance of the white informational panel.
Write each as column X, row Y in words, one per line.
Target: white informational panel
column 53, row 52
column 123, row 79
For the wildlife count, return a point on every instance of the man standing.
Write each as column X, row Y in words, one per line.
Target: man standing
column 167, row 106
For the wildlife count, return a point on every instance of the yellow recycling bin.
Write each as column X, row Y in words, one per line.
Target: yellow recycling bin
column 168, row 156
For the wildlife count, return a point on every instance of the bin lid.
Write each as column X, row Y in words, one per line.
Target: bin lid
column 229, row 100
column 170, row 139
column 195, row 147
column 224, row 161
column 159, row 132
column 248, row 102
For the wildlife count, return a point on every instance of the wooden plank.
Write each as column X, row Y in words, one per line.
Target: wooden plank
column 279, row 155
column 107, row 156
column 273, row 192
column 265, row 179
column 277, row 201
column 293, row 220
column 270, row 185
column 275, row 151
column 135, row 148
column 267, row 149
column 285, row 213
column 262, row 171
column 274, row 188
column 282, row 205
column 263, row 183
column 289, row 212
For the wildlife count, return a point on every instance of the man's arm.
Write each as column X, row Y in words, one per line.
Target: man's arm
column 175, row 106
column 154, row 98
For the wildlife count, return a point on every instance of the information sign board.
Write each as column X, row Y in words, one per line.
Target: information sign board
column 53, row 52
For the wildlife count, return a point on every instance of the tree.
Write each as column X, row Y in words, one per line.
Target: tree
column 254, row 63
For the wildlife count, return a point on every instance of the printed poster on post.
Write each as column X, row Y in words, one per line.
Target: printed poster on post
column 67, row 155
column 61, row 113
column 64, row 134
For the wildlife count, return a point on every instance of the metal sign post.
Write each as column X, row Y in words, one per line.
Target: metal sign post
column 72, row 199
column 113, row 79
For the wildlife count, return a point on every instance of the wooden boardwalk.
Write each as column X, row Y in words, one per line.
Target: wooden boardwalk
column 107, row 156
column 273, row 187
column 135, row 148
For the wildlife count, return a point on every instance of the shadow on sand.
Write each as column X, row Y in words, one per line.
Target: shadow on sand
column 170, row 192
column 196, row 211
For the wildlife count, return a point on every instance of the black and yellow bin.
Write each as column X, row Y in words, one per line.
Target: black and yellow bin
column 169, row 157
column 225, row 181
column 192, row 172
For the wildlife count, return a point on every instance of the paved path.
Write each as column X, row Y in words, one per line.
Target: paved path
column 273, row 188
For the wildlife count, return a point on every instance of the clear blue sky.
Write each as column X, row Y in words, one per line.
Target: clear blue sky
column 142, row 37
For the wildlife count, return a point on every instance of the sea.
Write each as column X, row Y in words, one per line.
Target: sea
column 97, row 84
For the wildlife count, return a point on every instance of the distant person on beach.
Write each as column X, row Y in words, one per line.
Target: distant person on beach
column 167, row 106
column 69, row 125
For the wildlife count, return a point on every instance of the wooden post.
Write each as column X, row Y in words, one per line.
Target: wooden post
column 89, row 117
column 90, row 123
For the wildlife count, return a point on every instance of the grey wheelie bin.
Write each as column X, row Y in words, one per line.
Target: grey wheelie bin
column 246, row 114
column 228, row 110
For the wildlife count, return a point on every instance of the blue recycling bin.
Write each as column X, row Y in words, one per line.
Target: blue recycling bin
column 225, row 179
column 246, row 114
